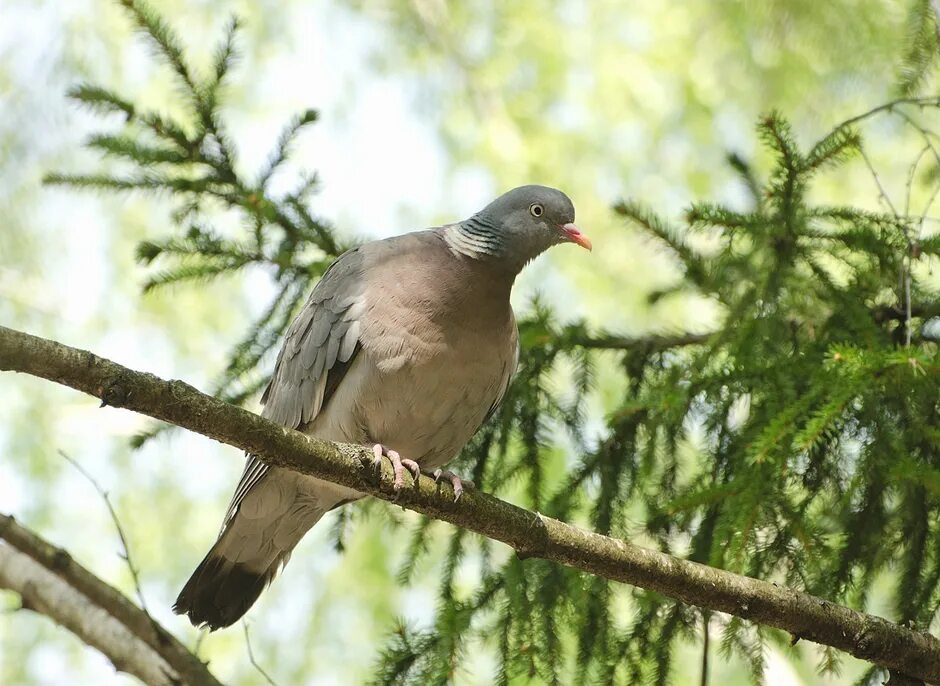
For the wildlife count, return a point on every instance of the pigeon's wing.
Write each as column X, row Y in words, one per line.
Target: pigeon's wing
column 320, row 345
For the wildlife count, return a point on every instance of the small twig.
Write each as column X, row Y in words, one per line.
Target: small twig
column 890, row 107
column 904, row 278
column 907, row 302
column 882, row 193
column 654, row 342
column 706, row 620
column 135, row 575
column 927, row 134
column 199, row 641
column 906, row 268
column 251, row 658
column 912, row 172
column 930, row 201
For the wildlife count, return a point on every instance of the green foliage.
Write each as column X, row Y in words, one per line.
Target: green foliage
column 920, row 54
column 194, row 161
column 765, row 450
column 795, row 443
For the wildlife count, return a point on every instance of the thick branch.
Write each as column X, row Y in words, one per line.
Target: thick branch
column 530, row 534
column 57, row 586
column 44, row 592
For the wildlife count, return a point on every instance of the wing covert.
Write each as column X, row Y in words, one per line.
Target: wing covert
column 318, row 349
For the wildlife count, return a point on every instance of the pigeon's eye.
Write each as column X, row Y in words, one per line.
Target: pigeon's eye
column 536, row 210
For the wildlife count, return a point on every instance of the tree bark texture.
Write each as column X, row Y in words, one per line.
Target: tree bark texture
column 49, row 581
column 531, row 534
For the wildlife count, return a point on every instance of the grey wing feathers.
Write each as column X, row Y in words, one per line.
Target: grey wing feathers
column 319, row 346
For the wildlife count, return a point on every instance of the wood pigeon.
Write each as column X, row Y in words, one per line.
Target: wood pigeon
column 406, row 344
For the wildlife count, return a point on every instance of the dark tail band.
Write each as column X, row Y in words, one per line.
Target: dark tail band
column 220, row 592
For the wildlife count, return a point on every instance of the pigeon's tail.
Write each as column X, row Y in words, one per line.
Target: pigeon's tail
column 219, row 592
column 245, row 559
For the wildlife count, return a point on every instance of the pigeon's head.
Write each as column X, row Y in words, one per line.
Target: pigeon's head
column 521, row 224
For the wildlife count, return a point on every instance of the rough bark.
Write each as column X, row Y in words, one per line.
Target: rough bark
column 141, row 628
column 44, row 592
column 49, row 582
column 532, row 535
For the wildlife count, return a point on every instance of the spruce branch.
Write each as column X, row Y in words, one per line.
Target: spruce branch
column 280, row 153
column 746, row 172
column 225, row 56
column 921, row 46
column 193, row 161
column 132, row 149
column 164, row 40
column 101, row 100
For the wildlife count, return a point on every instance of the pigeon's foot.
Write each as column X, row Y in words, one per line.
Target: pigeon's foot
column 455, row 481
column 399, row 465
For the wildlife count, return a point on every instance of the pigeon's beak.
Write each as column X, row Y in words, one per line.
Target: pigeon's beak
column 573, row 234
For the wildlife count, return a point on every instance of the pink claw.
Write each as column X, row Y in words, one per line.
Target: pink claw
column 455, row 481
column 399, row 465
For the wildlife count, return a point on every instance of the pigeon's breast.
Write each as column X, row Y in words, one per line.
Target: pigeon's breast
column 437, row 346
column 421, row 383
column 428, row 395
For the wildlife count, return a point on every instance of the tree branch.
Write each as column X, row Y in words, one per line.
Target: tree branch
column 924, row 311
column 44, row 592
column 865, row 636
column 655, row 342
column 49, row 581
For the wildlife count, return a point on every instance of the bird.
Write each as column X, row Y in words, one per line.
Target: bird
column 406, row 344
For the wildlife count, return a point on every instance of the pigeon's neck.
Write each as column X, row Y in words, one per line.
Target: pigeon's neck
column 477, row 238
column 481, row 240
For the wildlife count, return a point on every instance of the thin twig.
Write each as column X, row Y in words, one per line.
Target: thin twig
column 655, row 342
column 199, row 641
column 882, row 193
column 135, row 575
column 906, row 264
column 927, row 134
column 933, row 100
column 904, row 278
column 706, row 620
column 251, row 657
column 912, row 172
column 907, row 302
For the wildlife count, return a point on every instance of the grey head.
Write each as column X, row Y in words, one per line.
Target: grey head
column 517, row 226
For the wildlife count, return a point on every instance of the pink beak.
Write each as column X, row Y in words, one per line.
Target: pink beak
column 573, row 234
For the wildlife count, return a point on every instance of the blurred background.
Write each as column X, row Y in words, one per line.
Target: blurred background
column 428, row 109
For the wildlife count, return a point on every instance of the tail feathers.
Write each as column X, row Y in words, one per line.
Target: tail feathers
column 255, row 543
column 220, row 591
